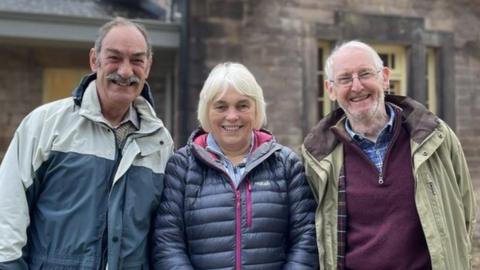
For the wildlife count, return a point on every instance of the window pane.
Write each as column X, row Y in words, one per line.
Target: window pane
column 323, row 102
column 394, row 57
column 384, row 58
column 59, row 82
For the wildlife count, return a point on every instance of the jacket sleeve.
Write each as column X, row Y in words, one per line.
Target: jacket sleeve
column 14, row 217
column 169, row 243
column 464, row 183
column 14, row 213
column 29, row 148
column 302, row 252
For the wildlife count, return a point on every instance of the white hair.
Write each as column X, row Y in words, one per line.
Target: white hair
column 351, row 44
column 239, row 78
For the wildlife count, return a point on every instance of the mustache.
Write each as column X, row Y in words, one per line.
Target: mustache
column 115, row 77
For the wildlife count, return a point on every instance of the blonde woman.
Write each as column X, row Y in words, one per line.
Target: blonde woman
column 234, row 198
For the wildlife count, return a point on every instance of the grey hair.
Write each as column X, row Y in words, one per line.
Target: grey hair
column 240, row 79
column 119, row 21
column 351, row 44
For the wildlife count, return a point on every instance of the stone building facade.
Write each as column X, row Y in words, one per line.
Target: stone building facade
column 283, row 42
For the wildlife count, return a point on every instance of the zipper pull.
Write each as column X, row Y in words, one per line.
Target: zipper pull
column 380, row 179
column 249, row 203
column 237, row 194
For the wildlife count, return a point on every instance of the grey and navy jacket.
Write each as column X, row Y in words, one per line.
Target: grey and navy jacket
column 206, row 222
column 55, row 198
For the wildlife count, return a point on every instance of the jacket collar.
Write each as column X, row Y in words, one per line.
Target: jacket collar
column 90, row 108
column 264, row 145
column 261, row 136
column 418, row 121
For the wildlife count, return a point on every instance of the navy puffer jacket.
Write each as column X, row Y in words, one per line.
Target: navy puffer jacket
column 204, row 222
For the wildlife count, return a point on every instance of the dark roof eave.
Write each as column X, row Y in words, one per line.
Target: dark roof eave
column 69, row 29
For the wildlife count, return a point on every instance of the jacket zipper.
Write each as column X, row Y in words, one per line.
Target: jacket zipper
column 238, row 214
column 387, row 152
column 238, row 229
column 380, row 178
column 105, row 232
column 249, row 203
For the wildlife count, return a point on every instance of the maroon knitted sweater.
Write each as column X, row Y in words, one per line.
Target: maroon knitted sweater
column 383, row 227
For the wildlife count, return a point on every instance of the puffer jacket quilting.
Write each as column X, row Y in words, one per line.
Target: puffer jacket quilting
column 196, row 226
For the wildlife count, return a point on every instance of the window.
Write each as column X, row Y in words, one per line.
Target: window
column 323, row 101
column 59, row 82
column 394, row 57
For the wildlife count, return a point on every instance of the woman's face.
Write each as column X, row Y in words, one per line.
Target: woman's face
column 231, row 117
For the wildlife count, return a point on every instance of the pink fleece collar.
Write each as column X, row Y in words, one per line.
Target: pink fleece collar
column 260, row 138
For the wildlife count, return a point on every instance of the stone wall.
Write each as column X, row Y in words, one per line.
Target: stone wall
column 276, row 40
column 255, row 34
column 21, row 83
column 19, row 94
column 467, row 87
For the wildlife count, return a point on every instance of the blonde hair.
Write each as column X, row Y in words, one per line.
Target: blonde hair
column 239, row 78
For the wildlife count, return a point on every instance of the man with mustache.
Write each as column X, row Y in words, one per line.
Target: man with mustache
column 390, row 177
column 83, row 175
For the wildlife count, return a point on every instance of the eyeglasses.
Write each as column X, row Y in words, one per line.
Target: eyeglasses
column 346, row 80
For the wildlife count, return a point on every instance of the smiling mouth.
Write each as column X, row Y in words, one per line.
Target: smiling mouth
column 123, row 83
column 360, row 98
column 231, row 128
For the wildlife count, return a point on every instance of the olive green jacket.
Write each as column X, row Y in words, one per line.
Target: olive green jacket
column 443, row 188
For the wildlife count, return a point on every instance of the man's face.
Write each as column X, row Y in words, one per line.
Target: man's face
column 122, row 66
column 363, row 98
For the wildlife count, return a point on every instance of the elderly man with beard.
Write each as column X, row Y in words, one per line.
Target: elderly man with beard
column 390, row 177
column 83, row 175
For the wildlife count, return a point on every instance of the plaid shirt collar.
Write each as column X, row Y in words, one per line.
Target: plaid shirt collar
column 235, row 172
column 130, row 116
column 361, row 140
